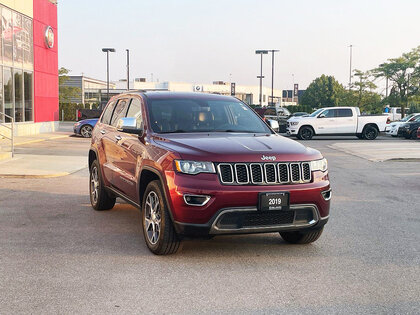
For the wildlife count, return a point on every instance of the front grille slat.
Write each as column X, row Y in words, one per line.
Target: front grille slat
column 264, row 173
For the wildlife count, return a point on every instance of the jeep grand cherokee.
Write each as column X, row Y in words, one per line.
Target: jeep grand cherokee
column 203, row 165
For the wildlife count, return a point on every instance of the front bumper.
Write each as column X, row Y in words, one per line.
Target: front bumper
column 403, row 132
column 309, row 205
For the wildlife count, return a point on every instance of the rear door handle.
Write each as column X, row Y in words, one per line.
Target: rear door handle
column 103, row 131
column 118, row 138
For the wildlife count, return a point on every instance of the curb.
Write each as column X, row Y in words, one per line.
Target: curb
column 34, row 176
column 41, row 140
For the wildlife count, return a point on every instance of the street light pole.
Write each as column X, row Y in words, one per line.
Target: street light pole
column 107, row 50
column 351, row 56
column 261, row 52
column 272, row 74
column 128, row 69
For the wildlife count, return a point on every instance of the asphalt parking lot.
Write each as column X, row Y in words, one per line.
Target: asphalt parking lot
column 57, row 255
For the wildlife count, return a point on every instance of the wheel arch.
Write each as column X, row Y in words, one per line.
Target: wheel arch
column 374, row 125
column 92, row 157
column 310, row 126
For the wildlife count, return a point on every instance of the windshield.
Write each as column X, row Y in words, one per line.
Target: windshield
column 316, row 112
column 406, row 118
column 190, row 115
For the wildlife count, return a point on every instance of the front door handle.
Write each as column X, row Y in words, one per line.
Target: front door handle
column 103, row 131
column 118, row 138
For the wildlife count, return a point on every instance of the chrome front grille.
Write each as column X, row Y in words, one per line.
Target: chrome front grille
column 264, row 173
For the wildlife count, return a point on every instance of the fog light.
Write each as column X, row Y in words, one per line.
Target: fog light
column 327, row 194
column 196, row 200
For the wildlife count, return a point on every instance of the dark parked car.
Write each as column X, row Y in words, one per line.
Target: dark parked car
column 280, row 114
column 85, row 127
column 203, row 165
column 409, row 129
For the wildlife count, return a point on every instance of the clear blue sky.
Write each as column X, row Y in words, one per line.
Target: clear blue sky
column 203, row 41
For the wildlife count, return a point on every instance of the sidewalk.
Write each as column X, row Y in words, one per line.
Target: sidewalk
column 43, row 155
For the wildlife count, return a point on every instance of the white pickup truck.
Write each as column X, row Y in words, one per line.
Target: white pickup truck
column 337, row 121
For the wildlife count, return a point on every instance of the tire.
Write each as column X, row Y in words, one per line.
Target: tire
column 99, row 198
column 359, row 136
column 305, row 133
column 370, row 133
column 86, row 131
column 158, row 230
column 301, row 238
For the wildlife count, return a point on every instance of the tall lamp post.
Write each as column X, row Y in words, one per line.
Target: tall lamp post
column 107, row 50
column 261, row 52
column 351, row 57
column 128, row 69
column 272, row 74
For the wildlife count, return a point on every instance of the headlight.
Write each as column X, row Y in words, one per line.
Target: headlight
column 194, row 167
column 319, row 165
column 294, row 123
column 76, row 124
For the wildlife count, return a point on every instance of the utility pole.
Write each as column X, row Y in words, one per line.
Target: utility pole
column 351, row 56
column 293, row 87
column 128, row 69
column 386, row 88
column 261, row 52
column 272, row 75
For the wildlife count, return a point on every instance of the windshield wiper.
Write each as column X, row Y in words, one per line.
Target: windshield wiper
column 175, row 131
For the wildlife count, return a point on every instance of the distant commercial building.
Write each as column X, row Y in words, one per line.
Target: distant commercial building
column 28, row 65
column 89, row 89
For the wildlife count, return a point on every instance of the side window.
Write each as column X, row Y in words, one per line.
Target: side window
column 398, row 110
column 135, row 111
column 329, row 113
column 270, row 112
column 345, row 112
column 119, row 111
column 106, row 116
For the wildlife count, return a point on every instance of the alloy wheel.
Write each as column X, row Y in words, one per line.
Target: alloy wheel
column 152, row 218
column 94, row 185
column 86, row 131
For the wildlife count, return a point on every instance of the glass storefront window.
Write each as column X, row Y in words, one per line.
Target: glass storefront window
column 17, row 40
column 27, row 83
column 8, row 92
column 7, row 36
column 1, row 95
column 19, row 114
column 27, row 43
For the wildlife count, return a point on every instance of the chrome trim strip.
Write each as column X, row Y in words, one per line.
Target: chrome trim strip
column 215, row 230
column 195, row 205
column 262, row 173
column 323, row 193
column 220, row 173
column 291, row 172
column 324, row 218
column 275, row 173
column 287, row 171
column 236, row 174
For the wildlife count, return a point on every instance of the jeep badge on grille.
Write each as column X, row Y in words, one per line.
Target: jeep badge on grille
column 268, row 158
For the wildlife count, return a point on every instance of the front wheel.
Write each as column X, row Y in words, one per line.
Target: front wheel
column 99, row 198
column 301, row 237
column 158, row 230
column 370, row 133
column 305, row 133
column 86, row 131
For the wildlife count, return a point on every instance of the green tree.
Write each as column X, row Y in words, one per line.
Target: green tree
column 66, row 93
column 404, row 75
column 324, row 91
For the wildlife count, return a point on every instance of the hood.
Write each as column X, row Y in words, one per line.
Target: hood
column 231, row 147
column 300, row 118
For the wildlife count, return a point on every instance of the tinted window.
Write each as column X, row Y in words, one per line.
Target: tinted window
column 189, row 115
column 106, row 116
column 119, row 111
column 329, row 113
column 398, row 111
column 135, row 111
column 345, row 112
column 270, row 112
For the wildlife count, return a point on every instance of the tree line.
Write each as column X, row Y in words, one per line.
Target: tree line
column 402, row 77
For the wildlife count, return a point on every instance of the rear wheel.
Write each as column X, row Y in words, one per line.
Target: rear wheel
column 305, row 133
column 301, row 237
column 158, row 230
column 86, row 131
column 99, row 198
column 370, row 133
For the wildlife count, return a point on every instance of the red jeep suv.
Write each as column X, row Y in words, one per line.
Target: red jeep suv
column 199, row 164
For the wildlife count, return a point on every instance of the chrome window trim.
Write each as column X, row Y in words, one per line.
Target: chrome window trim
column 220, row 173
column 262, row 173
column 236, row 174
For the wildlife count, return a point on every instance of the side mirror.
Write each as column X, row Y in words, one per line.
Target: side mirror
column 274, row 124
column 129, row 125
column 321, row 115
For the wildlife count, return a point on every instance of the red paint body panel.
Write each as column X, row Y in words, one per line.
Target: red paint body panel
column 45, row 63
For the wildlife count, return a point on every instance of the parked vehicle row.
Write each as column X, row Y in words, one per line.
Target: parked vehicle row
column 409, row 129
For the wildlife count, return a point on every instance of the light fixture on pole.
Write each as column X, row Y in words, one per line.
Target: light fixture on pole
column 261, row 52
column 107, row 50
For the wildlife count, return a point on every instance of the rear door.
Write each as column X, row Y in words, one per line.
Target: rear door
column 345, row 121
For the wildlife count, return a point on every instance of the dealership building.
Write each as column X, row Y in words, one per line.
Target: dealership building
column 28, row 66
